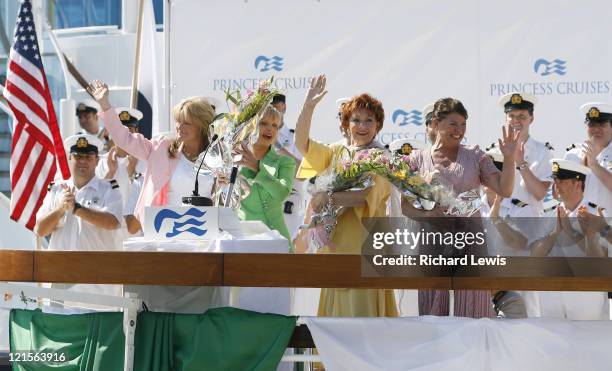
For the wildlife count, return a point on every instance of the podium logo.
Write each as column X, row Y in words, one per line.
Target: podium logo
column 403, row 118
column 263, row 63
column 182, row 223
column 544, row 68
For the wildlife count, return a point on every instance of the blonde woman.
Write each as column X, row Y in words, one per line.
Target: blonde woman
column 269, row 175
column 170, row 161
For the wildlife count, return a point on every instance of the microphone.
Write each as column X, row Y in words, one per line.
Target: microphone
column 195, row 199
column 230, row 189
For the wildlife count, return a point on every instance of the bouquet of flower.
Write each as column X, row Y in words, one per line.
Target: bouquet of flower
column 353, row 170
column 234, row 127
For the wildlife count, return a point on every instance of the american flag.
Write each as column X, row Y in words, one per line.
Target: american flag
column 37, row 143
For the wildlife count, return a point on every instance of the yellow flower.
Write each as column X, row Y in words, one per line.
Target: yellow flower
column 401, row 174
column 415, row 181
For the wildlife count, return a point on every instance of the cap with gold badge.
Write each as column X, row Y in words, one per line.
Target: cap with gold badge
column 83, row 143
column 129, row 116
column 566, row 169
column 405, row 146
column 596, row 112
column 516, row 100
column 87, row 105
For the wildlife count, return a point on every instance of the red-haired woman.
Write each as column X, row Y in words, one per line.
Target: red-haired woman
column 362, row 117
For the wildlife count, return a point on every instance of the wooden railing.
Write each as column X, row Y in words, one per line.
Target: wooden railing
column 294, row 270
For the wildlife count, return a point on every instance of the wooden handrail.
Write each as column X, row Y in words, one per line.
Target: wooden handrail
column 294, row 270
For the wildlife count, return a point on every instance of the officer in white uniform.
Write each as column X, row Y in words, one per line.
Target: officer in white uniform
column 407, row 300
column 294, row 207
column 565, row 237
column 83, row 212
column 117, row 164
column 87, row 113
column 596, row 153
column 532, row 178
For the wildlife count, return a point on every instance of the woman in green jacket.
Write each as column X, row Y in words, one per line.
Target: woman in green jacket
column 269, row 175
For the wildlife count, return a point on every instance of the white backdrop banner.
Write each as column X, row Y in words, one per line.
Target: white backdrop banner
column 406, row 53
column 451, row 343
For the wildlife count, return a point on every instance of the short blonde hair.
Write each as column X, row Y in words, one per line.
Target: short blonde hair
column 270, row 110
column 193, row 109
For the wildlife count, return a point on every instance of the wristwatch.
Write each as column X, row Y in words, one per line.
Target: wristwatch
column 522, row 165
column 604, row 231
column 76, row 207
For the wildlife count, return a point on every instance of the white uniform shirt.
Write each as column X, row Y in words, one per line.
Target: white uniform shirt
column 285, row 140
column 594, row 189
column 573, row 305
column 121, row 176
column 537, row 155
column 72, row 232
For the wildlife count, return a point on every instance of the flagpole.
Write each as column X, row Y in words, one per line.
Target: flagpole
column 137, row 54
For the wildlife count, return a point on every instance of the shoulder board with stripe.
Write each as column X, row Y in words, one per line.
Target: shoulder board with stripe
column 550, row 148
column 594, row 206
column 137, row 175
column 114, row 184
column 50, row 186
column 570, row 147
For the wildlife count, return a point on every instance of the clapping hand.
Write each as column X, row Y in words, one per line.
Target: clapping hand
column 590, row 154
column 99, row 91
column 111, row 163
column 68, row 199
column 317, row 91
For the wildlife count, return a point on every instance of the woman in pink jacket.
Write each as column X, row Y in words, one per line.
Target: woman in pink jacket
column 170, row 174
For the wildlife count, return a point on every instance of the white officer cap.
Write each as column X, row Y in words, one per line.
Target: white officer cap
column 597, row 111
column 566, row 169
column 516, row 100
column 405, row 146
column 87, row 105
column 129, row 116
column 83, row 143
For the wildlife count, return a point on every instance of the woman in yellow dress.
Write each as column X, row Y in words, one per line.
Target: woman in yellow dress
column 363, row 117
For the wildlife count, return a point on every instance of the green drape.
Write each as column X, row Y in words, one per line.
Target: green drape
column 220, row 339
column 92, row 341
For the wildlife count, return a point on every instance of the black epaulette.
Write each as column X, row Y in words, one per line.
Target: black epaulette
column 570, row 147
column 292, row 131
column 594, row 206
column 50, row 186
column 386, row 146
column 490, row 147
column 114, row 184
column 550, row 148
column 137, row 175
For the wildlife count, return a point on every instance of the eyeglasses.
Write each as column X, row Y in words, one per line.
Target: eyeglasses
column 368, row 122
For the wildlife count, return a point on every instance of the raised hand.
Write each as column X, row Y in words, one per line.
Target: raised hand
column 99, row 91
column 509, row 142
column 317, row 91
column 111, row 163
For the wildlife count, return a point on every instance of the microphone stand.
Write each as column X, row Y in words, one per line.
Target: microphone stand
column 195, row 199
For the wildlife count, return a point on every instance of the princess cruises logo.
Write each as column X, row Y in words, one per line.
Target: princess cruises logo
column 264, row 64
column 403, row 118
column 544, row 68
